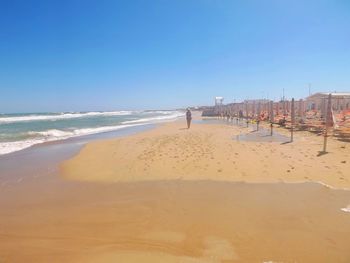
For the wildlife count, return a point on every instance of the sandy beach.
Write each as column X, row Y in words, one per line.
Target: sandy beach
column 211, row 152
column 175, row 195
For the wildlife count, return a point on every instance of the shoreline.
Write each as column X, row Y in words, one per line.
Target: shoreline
column 45, row 158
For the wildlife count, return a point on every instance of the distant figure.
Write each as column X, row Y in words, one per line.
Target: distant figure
column 188, row 118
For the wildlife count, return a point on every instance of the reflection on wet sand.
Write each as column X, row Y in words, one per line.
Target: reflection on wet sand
column 173, row 221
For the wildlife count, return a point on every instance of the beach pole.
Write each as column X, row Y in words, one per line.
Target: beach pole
column 327, row 122
column 292, row 120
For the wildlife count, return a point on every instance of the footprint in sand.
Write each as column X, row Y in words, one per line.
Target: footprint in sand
column 218, row 250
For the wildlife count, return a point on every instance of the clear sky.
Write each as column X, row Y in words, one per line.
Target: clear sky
column 105, row 55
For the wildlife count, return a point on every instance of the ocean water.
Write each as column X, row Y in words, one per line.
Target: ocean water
column 20, row 131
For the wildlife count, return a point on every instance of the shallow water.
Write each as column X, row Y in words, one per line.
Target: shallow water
column 262, row 135
column 43, row 159
column 250, row 131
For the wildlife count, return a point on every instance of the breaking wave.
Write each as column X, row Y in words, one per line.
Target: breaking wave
column 59, row 116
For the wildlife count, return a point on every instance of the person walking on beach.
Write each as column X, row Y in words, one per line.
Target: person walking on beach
column 188, row 118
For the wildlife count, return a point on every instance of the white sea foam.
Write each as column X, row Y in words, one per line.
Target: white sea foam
column 169, row 116
column 9, row 147
column 38, row 117
column 159, row 111
column 55, row 135
column 346, row 209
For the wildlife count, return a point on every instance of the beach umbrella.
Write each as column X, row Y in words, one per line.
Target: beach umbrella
column 271, row 112
column 292, row 120
column 246, row 110
column 271, row 117
column 328, row 121
column 323, row 108
column 301, row 108
column 253, row 109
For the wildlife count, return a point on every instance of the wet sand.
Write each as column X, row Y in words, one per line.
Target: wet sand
column 173, row 195
column 173, row 221
column 44, row 159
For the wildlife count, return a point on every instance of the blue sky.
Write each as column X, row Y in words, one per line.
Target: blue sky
column 104, row 55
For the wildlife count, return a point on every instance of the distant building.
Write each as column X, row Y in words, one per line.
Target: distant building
column 219, row 101
column 317, row 101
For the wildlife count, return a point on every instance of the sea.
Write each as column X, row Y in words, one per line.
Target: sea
column 21, row 131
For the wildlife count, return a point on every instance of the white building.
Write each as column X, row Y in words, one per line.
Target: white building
column 219, row 101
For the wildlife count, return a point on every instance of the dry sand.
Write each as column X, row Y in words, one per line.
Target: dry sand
column 171, row 195
column 210, row 152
